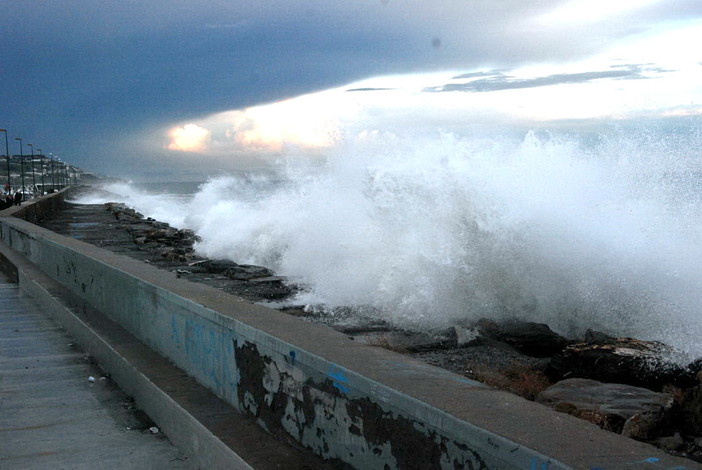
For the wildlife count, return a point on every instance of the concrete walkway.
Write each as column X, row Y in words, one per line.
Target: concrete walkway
column 53, row 414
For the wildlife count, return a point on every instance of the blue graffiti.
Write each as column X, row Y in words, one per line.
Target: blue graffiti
column 656, row 462
column 293, row 356
column 338, row 378
column 535, row 464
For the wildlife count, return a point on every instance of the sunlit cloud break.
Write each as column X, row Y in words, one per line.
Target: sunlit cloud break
column 188, row 138
column 307, row 122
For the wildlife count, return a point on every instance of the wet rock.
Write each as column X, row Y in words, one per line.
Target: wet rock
column 466, row 336
column 690, row 411
column 694, row 369
column 123, row 213
column 213, row 266
column 172, row 253
column 247, row 272
column 186, row 235
column 648, row 364
column 406, row 341
column 139, row 229
column 162, row 233
column 532, row 339
column 670, row 443
column 647, row 425
column 608, row 405
column 270, row 280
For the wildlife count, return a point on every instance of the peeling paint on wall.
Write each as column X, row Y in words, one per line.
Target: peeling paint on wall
column 319, row 413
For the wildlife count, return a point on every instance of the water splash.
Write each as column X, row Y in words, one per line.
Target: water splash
column 601, row 233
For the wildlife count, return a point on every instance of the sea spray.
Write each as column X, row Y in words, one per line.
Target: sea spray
column 165, row 207
column 578, row 233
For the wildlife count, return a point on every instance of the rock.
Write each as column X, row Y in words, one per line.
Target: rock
column 162, row 233
column 532, row 339
column 272, row 280
column 186, row 235
column 213, row 266
column 647, row 425
column 139, row 228
column 405, row 341
column 608, row 405
column 246, row 272
column 171, row 253
column 648, row 364
column 466, row 336
column 123, row 213
column 695, row 370
column 670, row 443
column 690, row 411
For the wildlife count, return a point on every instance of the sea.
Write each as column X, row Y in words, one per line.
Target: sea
column 584, row 231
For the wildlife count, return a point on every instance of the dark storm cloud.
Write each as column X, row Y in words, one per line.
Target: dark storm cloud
column 87, row 78
column 498, row 81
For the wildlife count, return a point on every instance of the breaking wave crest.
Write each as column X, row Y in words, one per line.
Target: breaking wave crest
column 601, row 232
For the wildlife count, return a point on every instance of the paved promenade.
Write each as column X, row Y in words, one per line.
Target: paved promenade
column 52, row 414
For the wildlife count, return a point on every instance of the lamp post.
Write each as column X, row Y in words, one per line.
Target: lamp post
column 34, row 179
column 21, row 167
column 7, row 154
column 58, row 172
column 53, row 184
column 41, row 165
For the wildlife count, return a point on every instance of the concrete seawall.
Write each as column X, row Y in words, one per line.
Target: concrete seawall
column 349, row 403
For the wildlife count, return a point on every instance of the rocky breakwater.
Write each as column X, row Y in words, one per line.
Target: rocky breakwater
column 173, row 249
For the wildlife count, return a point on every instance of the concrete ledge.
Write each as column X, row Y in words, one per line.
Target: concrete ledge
column 351, row 403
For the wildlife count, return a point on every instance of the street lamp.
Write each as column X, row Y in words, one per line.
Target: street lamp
column 21, row 167
column 7, row 154
column 53, row 184
column 41, row 164
column 34, row 179
column 58, row 172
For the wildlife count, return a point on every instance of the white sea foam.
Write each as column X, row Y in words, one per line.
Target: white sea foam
column 603, row 235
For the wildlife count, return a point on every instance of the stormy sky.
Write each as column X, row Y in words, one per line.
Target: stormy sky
column 123, row 88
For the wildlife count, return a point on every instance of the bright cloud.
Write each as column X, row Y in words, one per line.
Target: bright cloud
column 656, row 75
column 579, row 11
column 303, row 122
column 188, row 138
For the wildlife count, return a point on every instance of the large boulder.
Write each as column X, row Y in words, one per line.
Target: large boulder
column 616, row 407
column 532, row 339
column 648, row 364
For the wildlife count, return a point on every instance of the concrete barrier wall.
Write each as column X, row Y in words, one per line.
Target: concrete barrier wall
column 348, row 402
column 37, row 209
